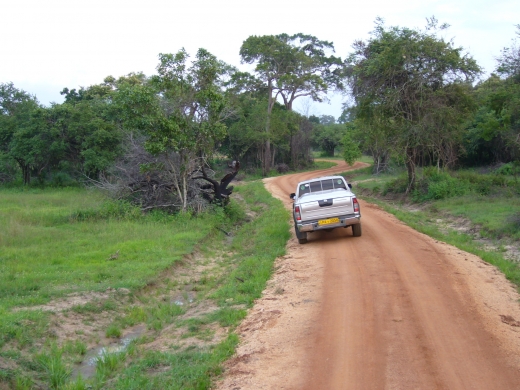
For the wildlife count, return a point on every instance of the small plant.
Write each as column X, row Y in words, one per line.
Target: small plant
column 113, row 331
column 78, row 384
column 55, row 370
column 512, row 168
column 396, row 186
column 107, row 363
column 75, row 347
column 89, row 307
column 228, row 316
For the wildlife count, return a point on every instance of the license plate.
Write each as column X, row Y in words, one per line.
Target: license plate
column 322, row 222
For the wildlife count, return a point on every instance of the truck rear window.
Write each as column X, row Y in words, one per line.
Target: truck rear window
column 322, row 185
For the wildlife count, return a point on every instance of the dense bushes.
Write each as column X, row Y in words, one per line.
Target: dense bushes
column 435, row 184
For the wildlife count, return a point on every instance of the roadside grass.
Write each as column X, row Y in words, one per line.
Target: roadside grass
column 498, row 215
column 490, row 202
column 55, row 248
column 424, row 222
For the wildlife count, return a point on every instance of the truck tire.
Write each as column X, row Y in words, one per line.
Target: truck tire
column 301, row 236
column 356, row 230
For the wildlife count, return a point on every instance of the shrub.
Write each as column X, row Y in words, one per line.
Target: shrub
column 397, row 186
column 512, row 168
column 62, row 179
column 282, row 168
column 435, row 184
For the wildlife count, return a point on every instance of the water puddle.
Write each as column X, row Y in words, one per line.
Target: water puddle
column 87, row 368
column 185, row 299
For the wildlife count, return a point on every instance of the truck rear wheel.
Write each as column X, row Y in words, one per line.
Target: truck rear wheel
column 301, row 236
column 356, row 230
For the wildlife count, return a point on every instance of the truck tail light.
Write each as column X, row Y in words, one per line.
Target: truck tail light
column 297, row 213
column 356, row 205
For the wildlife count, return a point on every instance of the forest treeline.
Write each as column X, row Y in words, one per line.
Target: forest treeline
column 414, row 98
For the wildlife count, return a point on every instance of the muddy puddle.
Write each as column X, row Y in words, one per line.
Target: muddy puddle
column 184, row 299
column 87, row 368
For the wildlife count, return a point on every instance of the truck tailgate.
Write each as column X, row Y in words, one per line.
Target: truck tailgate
column 325, row 208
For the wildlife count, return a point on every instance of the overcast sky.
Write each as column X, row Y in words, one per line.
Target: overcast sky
column 47, row 45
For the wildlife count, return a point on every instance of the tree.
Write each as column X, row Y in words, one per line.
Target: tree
column 509, row 61
column 24, row 133
column 181, row 112
column 350, row 147
column 509, row 67
column 327, row 120
column 291, row 66
column 494, row 133
column 413, row 86
column 328, row 137
column 87, row 126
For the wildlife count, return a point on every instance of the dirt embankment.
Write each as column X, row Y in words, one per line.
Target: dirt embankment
column 393, row 309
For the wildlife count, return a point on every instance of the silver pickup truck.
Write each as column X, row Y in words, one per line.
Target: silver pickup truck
column 325, row 203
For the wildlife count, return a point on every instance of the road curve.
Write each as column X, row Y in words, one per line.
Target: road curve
column 397, row 310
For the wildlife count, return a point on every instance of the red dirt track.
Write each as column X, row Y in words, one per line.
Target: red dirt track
column 392, row 309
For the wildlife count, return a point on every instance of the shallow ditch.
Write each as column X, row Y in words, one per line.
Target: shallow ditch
column 87, row 368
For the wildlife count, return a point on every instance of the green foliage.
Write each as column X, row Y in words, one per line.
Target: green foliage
column 489, row 201
column 87, row 136
column 329, row 137
column 396, row 186
column 412, row 94
column 24, row 133
column 351, row 150
column 438, row 184
column 291, row 67
column 107, row 210
column 247, row 133
column 258, row 245
column 512, row 168
column 492, row 135
column 113, row 331
column 53, row 367
column 180, row 111
column 509, row 61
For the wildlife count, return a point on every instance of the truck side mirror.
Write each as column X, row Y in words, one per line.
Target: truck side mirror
column 349, row 185
column 292, row 196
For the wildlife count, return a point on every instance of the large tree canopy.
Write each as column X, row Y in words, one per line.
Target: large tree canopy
column 24, row 134
column 181, row 112
column 296, row 65
column 412, row 86
column 291, row 66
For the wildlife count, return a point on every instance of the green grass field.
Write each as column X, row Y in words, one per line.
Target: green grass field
column 57, row 244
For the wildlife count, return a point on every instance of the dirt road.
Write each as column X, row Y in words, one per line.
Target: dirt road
column 393, row 309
